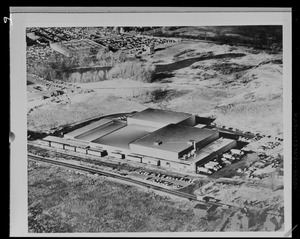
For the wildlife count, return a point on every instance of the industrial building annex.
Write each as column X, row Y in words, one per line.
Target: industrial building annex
column 163, row 138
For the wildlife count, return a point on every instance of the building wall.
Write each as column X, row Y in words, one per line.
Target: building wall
column 71, row 148
column 208, row 140
column 117, row 155
column 109, row 149
column 153, row 152
column 145, row 123
column 57, row 145
column 177, row 165
column 96, row 153
column 204, row 160
column 81, row 150
column 191, row 121
column 134, row 158
column 149, row 160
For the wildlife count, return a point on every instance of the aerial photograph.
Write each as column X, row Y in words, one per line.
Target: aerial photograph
column 155, row 129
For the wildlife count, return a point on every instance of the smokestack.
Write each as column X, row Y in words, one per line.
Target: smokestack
column 193, row 143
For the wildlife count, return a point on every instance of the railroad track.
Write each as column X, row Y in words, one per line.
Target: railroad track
column 108, row 174
column 188, row 196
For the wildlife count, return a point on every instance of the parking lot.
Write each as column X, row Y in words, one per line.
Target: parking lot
column 168, row 181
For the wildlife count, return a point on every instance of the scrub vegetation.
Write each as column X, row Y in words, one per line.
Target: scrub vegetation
column 133, row 70
column 71, row 202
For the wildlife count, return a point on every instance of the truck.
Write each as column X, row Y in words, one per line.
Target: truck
column 225, row 161
column 228, row 156
column 204, row 170
column 216, row 166
column 211, row 166
column 236, row 152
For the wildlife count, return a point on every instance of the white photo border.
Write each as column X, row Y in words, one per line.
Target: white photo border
column 22, row 20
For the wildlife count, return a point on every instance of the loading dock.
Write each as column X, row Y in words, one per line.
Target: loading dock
column 117, row 155
column 57, row 145
column 94, row 152
column 81, row 150
column 153, row 161
column 70, row 147
column 134, row 158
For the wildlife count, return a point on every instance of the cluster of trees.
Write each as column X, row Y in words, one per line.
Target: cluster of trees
column 133, row 70
column 56, row 62
column 110, row 58
column 59, row 66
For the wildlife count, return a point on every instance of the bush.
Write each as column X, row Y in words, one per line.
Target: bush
column 132, row 70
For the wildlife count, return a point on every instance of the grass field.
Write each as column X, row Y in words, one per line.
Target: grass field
column 63, row 201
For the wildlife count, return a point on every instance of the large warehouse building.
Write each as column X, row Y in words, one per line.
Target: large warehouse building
column 173, row 141
column 159, row 137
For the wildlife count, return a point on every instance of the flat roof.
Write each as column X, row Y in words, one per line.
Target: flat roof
column 174, row 137
column 66, row 141
column 200, row 125
column 121, row 138
column 161, row 116
column 85, row 129
column 210, row 149
column 55, row 139
column 101, row 131
column 217, row 145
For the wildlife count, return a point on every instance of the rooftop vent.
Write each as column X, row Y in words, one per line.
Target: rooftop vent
column 157, row 142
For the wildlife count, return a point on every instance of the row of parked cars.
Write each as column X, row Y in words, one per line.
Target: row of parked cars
column 163, row 182
column 160, row 175
column 269, row 145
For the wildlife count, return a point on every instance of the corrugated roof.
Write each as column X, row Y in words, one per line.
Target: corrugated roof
column 161, row 116
column 174, row 137
column 122, row 137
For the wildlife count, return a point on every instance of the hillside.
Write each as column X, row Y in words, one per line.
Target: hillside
column 239, row 87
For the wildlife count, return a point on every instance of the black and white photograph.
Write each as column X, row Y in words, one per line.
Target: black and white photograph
column 156, row 128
